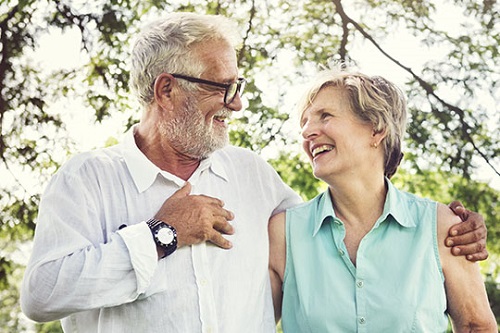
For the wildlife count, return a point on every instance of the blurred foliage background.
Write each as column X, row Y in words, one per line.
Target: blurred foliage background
column 443, row 54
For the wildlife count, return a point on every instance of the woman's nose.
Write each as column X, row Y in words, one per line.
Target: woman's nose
column 309, row 130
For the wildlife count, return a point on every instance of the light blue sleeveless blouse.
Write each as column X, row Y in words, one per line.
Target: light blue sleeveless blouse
column 396, row 286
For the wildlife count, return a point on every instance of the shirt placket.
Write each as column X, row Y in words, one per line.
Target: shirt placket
column 356, row 271
column 204, row 282
column 206, row 299
column 362, row 274
column 360, row 289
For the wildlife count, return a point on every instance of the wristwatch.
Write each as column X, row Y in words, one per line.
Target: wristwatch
column 164, row 236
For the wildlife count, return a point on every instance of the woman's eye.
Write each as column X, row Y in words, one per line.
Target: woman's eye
column 324, row 116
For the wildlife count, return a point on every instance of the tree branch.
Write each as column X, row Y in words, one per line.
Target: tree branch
column 345, row 35
column 247, row 33
column 5, row 66
column 426, row 86
column 79, row 20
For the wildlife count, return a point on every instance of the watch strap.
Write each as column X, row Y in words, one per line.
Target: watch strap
column 153, row 223
column 167, row 250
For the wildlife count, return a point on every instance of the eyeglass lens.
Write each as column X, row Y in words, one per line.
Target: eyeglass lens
column 232, row 90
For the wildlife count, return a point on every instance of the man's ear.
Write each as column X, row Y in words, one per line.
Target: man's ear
column 163, row 89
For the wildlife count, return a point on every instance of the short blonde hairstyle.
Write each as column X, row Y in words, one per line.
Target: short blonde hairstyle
column 166, row 46
column 372, row 99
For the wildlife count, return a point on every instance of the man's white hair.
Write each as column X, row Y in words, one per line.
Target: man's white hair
column 165, row 46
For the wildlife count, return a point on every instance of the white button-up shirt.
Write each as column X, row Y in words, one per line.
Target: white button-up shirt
column 100, row 278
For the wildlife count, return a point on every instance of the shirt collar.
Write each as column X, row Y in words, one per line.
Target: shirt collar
column 217, row 167
column 398, row 206
column 394, row 206
column 144, row 172
column 324, row 211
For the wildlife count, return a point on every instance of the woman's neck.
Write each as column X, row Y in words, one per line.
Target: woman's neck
column 358, row 203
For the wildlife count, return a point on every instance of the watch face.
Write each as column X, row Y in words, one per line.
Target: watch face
column 165, row 235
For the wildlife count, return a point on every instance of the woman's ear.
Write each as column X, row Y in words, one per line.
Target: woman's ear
column 378, row 136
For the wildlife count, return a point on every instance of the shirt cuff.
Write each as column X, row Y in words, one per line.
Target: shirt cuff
column 143, row 254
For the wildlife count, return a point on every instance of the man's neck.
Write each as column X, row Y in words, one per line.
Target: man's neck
column 163, row 155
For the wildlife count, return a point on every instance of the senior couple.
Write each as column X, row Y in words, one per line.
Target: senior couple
column 173, row 230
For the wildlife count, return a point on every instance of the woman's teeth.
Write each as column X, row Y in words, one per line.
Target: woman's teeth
column 321, row 149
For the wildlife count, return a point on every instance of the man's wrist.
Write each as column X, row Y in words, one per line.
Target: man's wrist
column 164, row 235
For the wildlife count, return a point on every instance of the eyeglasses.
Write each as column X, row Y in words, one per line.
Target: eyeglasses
column 231, row 89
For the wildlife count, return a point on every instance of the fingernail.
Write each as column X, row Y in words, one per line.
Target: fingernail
column 454, row 232
column 456, row 251
column 449, row 242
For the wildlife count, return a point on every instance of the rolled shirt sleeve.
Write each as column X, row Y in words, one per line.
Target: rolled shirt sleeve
column 143, row 254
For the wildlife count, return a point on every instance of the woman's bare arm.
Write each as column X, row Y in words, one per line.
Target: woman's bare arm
column 468, row 304
column 277, row 259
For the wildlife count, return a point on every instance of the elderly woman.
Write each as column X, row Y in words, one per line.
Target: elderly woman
column 364, row 256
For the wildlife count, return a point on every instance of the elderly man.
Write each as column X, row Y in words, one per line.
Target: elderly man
column 167, row 231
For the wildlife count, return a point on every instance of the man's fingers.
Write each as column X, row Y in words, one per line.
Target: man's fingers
column 224, row 213
column 474, row 221
column 459, row 209
column 217, row 239
column 469, row 238
column 478, row 256
column 463, row 229
column 197, row 218
column 473, row 252
column 183, row 191
column 456, row 205
column 223, row 226
column 474, row 236
column 211, row 200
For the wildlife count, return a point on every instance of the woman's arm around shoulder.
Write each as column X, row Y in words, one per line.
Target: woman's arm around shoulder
column 468, row 304
column 277, row 259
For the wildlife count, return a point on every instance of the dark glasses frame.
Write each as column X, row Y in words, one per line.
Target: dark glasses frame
column 231, row 88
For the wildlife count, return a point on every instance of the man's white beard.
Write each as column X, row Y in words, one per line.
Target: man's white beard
column 190, row 135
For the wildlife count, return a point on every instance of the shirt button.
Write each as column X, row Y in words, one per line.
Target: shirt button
column 360, row 284
column 341, row 253
column 362, row 320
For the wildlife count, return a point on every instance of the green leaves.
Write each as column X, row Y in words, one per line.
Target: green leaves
column 297, row 173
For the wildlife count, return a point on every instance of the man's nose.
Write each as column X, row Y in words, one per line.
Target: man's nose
column 235, row 104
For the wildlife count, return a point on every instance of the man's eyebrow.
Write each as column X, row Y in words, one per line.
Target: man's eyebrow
column 231, row 80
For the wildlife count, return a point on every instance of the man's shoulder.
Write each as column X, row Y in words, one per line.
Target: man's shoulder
column 235, row 153
column 235, row 150
column 99, row 158
column 243, row 160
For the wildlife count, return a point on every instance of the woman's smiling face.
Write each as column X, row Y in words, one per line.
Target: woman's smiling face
column 335, row 140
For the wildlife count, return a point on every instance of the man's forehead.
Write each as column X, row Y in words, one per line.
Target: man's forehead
column 219, row 59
